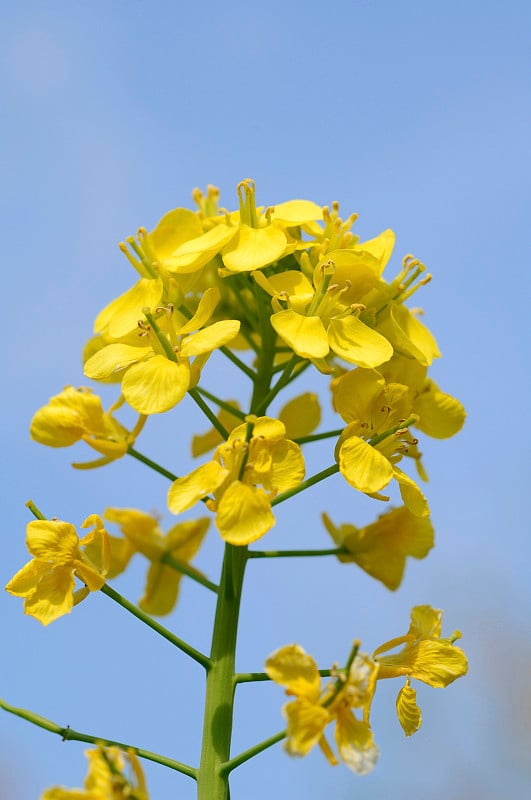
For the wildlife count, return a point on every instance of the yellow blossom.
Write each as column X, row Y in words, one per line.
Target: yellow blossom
column 156, row 374
column 313, row 710
column 381, row 548
column 106, row 779
column 248, row 240
column 375, row 439
column 243, row 478
column 77, row 415
column 315, row 318
column 143, row 535
column 47, row 582
column 424, row 656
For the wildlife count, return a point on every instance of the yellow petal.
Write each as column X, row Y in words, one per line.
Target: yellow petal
column 205, row 341
column 67, row 417
column 357, row 395
column 184, row 539
column 52, row 540
column 253, row 248
column 381, row 247
column 426, row 622
column 53, row 596
column 409, row 714
column 186, row 491
column 364, row 467
column 175, row 228
column 112, row 359
column 305, row 335
column 409, row 336
column 358, row 344
column 355, row 743
column 411, row 495
column 161, row 590
column 206, row 307
column 301, row 416
column 296, row 212
column 294, row 668
column 306, row 723
column 441, row 415
column 156, row 385
column 194, row 254
column 287, row 468
column 353, row 268
column 122, row 314
column 141, row 530
column 244, row 514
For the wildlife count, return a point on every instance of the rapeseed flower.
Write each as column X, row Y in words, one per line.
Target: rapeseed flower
column 314, row 709
column 248, row 470
column 157, row 373
column 47, row 582
column 424, row 656
column 77, row 415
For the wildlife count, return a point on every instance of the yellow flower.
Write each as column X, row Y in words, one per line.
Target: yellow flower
column 440, row 414
column 77, row 415
column 325, row 316
column 143, row 535
column 312, row 710
column 424, row 656
column 47, row 582
column 248, row 240
column 243, row 477
column 157, row 375
column 375, row 440
column 381, row 548
column 106, row 779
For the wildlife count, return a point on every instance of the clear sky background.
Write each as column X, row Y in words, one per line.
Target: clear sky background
column 417, row 116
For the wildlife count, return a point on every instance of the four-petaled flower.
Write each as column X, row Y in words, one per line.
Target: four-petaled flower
column 47, row 582
column 255, row 463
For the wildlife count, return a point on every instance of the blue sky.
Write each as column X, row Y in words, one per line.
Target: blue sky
column 417, row 116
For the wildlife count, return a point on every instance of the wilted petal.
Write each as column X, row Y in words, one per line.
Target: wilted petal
column 53, row 596
column 409, row 714
column 355, row 743
column 52, row 540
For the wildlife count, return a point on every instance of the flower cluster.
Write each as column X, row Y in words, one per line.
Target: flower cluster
column 274, row 290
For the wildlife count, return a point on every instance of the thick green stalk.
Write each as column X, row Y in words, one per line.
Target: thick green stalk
column 212, row 782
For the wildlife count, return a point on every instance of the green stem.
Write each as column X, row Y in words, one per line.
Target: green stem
column 68, row 734
column 402, row 426
column 282, row 381
column 151, row 464
column 346, row 671
column 221, row 403
column 331, row 551
column 186, row 569
column 316, row 437
column 228, row 766
column 34, row 510
column 207, row 411
column 156, row 626
column 212, row 784
column 319, row 476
